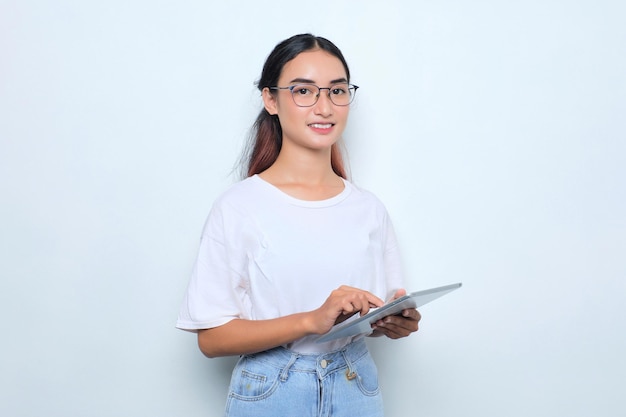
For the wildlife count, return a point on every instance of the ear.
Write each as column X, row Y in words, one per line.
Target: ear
column 269, row 101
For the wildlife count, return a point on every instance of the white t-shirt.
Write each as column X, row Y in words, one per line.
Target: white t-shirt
column 265, row 254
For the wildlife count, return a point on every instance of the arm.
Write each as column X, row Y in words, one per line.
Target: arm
column 241, row 336
column 248, row 336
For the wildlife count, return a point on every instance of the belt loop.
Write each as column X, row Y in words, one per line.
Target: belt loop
column 285, row 372
column 350, row 372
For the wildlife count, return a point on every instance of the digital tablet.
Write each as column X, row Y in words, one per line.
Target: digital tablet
column 363, row 324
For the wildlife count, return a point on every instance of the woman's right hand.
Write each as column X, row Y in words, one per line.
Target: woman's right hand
column 341, row 304
column 241, row 336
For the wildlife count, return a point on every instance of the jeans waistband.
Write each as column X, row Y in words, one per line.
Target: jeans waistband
column 322, row 363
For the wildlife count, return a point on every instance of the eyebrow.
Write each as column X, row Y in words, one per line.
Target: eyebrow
column 307, row 81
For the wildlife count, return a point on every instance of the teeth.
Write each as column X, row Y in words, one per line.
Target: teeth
column 321, row 126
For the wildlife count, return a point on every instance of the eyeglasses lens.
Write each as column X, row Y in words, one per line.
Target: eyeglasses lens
column 306, row 95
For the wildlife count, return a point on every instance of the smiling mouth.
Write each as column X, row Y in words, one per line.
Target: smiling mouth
column 321, row 125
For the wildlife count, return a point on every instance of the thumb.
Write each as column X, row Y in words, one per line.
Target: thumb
column 399, row 293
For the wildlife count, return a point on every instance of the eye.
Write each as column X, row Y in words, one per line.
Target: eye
column 304, row 90
column 339, row 90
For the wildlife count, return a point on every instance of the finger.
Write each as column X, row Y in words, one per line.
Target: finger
column 373, row 300
column 355, row 304
column 399, row 293
column 398, row 325
column 362, row 306
column 412, row 314
column 348, row 307
column 391, row 332
column 405, row 325
column 409, row 314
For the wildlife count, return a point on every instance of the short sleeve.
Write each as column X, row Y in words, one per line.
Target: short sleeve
column 215, row 294
column 394, row 271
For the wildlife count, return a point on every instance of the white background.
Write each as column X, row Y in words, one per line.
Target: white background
column 494, row 131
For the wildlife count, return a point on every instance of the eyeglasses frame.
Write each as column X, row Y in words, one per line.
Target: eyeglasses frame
column 317, row 97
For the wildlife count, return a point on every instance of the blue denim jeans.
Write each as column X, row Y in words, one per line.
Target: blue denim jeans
column 282, row 383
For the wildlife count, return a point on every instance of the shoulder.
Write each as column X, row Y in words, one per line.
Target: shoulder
column 367, row 204
column 232, row 207
column 365, row 196
column 235, row 195
column 241, row 192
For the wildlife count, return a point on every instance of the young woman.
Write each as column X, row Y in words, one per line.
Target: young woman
column 294, row 249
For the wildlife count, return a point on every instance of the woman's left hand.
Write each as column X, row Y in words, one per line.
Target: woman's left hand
column 402, row 325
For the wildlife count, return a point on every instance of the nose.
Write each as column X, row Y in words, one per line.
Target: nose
column 324, row 106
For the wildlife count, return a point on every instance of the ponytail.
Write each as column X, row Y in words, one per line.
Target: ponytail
column 265, row 143
column 336, row 160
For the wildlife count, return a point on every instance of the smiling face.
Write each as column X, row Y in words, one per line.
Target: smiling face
column 317, row 127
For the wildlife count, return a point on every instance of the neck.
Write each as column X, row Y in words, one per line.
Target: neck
column 311, row 167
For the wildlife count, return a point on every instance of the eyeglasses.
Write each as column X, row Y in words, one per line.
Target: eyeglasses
column 306, row 95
